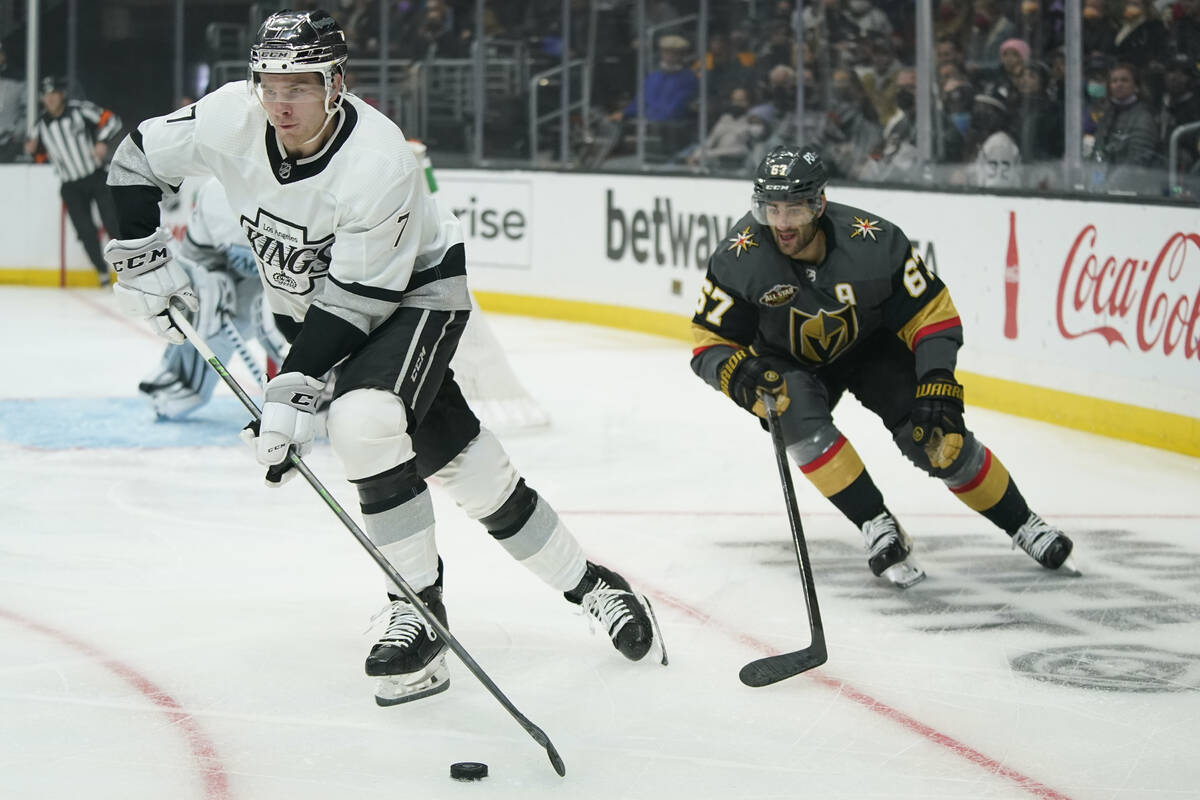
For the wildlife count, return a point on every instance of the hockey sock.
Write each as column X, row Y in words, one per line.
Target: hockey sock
column 398, row 516
column 991, row 491
column 839, row 474
column 530, row 530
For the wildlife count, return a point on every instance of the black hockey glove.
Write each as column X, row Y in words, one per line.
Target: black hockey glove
column 745, row 376
column 937, row 417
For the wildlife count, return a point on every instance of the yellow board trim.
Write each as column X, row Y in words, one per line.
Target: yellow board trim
column 76, row 278
column 1161, row 429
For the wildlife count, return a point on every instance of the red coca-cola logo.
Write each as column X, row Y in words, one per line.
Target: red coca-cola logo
column 1157, row 304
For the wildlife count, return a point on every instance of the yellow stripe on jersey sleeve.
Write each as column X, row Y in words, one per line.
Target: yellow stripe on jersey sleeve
column 938, row 314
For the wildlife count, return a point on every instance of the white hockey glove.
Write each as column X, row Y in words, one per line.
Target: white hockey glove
column 288, row 421
column 147, row 280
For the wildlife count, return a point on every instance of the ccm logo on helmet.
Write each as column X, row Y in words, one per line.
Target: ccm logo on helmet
column 144, row 261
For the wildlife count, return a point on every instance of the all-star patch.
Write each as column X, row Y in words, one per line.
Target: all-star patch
column 864, row 227
column 742, row 242
column 779, row 295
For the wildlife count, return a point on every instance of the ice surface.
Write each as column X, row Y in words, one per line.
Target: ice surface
column 169, row 628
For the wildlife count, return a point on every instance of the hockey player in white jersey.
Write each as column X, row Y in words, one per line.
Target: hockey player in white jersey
column 231, row 312
column 364, row 269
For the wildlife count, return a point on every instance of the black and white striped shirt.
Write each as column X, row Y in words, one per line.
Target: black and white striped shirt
column 68, row 139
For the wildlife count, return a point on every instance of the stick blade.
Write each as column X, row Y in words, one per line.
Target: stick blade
column 772, row 669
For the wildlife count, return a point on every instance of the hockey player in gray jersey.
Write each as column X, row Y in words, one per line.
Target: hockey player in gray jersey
column 364, row 269
column 231, row 312
column 813, row 299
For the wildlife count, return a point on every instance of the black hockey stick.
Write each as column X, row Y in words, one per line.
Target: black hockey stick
column 772, row 669
column 534, row 731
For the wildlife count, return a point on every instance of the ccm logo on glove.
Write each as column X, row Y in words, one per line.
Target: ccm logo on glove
column 142, row 262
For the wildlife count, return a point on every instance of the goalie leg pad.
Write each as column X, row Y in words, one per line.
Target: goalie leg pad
column 368, row 429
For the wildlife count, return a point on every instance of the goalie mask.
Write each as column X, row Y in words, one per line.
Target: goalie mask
column 794, row 176
column 300, row 41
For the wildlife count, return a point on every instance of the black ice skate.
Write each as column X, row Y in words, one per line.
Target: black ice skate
column 627, row 617
column 889, row 551
column 1048, row 546
column 410, row 658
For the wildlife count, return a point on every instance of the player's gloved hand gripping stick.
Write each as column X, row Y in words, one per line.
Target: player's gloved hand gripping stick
column 175, row 311
column 772, row 669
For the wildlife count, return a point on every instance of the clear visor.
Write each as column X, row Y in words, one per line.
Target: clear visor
column 785, row 214
column 294, row 88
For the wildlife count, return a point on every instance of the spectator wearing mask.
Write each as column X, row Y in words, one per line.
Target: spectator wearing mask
column 731, row 138
column 1180, row 106
column 990, row 28
column 1142, row 38
column 996, row 161
column 1039, row 127
column 75, row 136
column 1095, row 97
column 957, row 100
column 1126, row 149
column 851, row 134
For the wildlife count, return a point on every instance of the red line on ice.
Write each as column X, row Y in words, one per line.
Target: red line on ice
column 1036, row 788
column 216, row 783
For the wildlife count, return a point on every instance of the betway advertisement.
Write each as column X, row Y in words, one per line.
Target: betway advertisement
column 1092, row 298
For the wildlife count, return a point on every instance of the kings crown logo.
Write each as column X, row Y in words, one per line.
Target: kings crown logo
column 289, row 261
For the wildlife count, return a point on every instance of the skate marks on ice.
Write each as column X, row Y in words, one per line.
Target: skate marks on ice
column 1111, row 630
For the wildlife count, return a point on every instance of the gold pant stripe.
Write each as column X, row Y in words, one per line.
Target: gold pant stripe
column 835, row 469
column 987, row 487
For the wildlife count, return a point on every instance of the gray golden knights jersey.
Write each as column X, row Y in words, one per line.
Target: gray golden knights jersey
column 351, row 229
column 815, row 314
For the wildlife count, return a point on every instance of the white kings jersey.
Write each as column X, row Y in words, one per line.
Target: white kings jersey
column 212, row 225
column 350, row 229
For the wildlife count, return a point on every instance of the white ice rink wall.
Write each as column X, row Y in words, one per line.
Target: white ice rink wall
column 1086, row 314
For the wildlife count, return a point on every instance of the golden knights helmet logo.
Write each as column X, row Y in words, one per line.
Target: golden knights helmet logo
column 288, row 260
column 821, row 338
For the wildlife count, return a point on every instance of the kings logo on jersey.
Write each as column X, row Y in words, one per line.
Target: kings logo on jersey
column 821, row 338
column 288, row 260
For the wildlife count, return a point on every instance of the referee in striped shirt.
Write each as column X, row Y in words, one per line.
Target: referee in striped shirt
column 75, row 136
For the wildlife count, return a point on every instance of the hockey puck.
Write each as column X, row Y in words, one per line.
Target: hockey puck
column 468, row 771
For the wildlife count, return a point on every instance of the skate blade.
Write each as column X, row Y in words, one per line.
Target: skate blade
column 1069, row 569
column 904, row 574
column 393, row 690
column 658, row 637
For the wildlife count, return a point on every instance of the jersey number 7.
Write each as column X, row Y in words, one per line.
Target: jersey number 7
column 722, row 299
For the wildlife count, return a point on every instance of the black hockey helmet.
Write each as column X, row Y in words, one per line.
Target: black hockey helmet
column 789, row 175
column 299, row 41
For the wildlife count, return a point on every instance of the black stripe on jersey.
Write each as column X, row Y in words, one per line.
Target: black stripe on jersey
column 452, row 265
column 137, row 209
column 324, row 340
column 287, row 326
column 299, row 170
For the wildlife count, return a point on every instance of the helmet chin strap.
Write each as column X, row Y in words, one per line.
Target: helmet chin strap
column 330, row 111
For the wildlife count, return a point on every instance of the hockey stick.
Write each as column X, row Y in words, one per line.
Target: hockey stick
column 534, row 731
column 772, row 669
column 243, row 352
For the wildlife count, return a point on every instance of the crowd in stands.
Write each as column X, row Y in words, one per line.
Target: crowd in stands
column 998, row 78
column 999, row 72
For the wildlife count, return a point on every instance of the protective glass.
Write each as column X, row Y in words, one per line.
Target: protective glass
column 783, row 214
